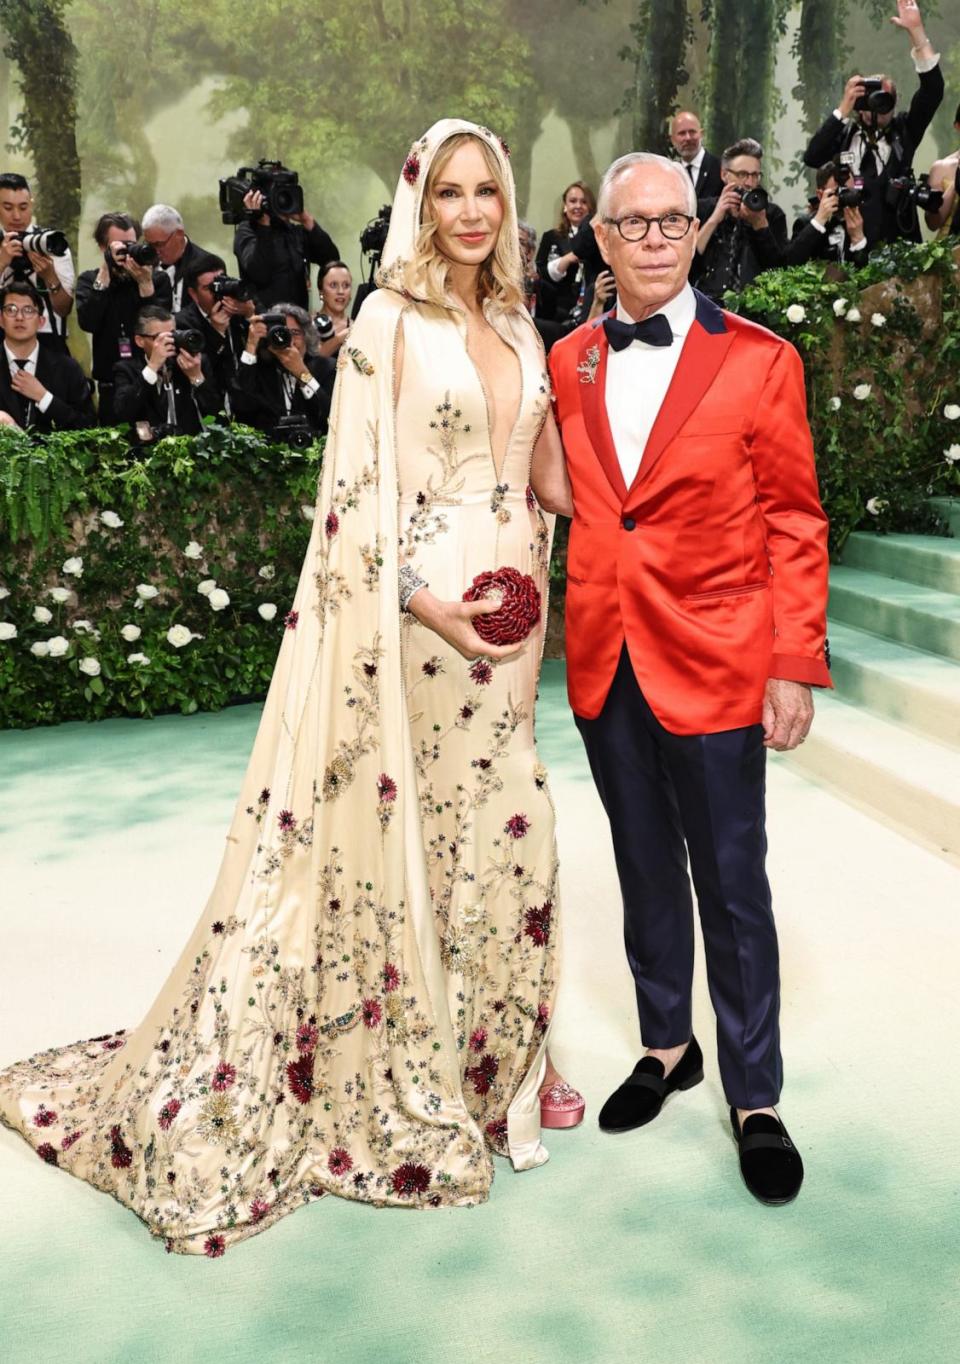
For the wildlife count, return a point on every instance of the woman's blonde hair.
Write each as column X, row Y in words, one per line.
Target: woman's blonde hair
column 427, row 275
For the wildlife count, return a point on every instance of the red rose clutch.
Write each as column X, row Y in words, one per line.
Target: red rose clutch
column 519, row 609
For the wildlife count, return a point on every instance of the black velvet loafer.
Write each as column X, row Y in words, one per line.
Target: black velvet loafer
column 769, row 1162
column 641, row 1096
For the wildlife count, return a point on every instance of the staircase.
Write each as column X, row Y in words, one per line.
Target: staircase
column 889, row 737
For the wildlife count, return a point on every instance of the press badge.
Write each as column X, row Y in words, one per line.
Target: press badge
column 124, row 348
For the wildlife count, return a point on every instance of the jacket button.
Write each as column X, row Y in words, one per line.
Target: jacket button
column 629, row 523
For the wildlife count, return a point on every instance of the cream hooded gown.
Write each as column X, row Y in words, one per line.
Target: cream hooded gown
column 362, row 1008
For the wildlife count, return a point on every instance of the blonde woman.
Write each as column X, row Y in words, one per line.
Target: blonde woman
column 364, row 1005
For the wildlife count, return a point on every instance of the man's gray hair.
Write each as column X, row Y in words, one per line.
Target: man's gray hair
column 623, row 164
column 310, row 334
column 531, row 231
column 162, row 216
column 747, row 146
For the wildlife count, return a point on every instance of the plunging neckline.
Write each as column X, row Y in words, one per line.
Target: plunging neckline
column 512, row 430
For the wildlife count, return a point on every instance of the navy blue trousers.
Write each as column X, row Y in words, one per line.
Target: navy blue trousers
column 668, row 796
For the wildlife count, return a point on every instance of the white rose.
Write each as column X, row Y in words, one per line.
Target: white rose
column 131, row 633
column 862, row 392
column 90, row 666
column 146, row 592
column 840, row 306
column 796, row 313
column 58, row 646
column 267, row 611
column 60, row 594
column 9, row 631
column 308, row 513
column 218, row 599
column 5, row 591
column 40, row 649
column 42, row 616
column 138, row 658
column 111, row 519
column 878, row 320
column 834, row 404
column 853, row 315
column 876, row 505
column 179, row 635
column 267, row 571
column 74, row 567
column 952, row 454
column 84, row 627
column 193, row 550
column 207, row 586
column 951, row 412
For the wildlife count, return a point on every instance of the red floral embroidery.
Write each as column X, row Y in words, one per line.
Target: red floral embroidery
column 300, row 1077
column 372, row 1013
column 391, row 977
column 411, row 1178
column 483, row 1074
column 290, row 619
column 259, row 1209
column 478, row 1039
column 48, row 1153
column 386, row 787
column 411, row 169
column 167, row 1113
column 44, row 1117
column 537, row 923
column 223, row 1077
column 517, row 826
column 214, row 1246
column 287, row 820
column 481, row 672
column 339, row 1162
column 332, row 524
column 121, row 1157
column 308, row 1035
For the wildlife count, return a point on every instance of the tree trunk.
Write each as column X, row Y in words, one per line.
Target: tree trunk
column 41, row 47
column 583, row 157
column 820, row 59
column 661, row 30
column 743, row 49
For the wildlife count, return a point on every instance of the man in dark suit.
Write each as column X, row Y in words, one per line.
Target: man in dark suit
column 273, row 382
column 41, row 389
column 738, row 237
column 829, row 232
column 879, row 146
column 222, row 322
column 163, row 229
column 702, row 166
column 275, row 253
column 167, row 390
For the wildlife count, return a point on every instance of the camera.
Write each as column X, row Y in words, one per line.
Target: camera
column 324, row 326
column 875, row 99
column 904, row 191
column 373, row 238
column 42, row 241
column 278, row 333
column 293, row 430
column 280, row 187
column 755, row 200
column 141, row 253
column 189, row 340
column 225, row 286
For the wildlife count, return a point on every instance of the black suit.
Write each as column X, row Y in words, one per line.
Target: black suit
column 809, row 243
column 110, row 316
column 194, row 258
column 223, row 352
column 136, row 400
column 737, row 253
column 903, row 135
column 708, row 184
column 72, row 406
column 257, row 395
column 276, row 259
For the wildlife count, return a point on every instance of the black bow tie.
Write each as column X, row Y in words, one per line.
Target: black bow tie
column 655, row 332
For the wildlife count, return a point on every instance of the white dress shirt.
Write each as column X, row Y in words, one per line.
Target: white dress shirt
column 13, row 364
column 693, row 167
column 637, row 382
column 881, row 149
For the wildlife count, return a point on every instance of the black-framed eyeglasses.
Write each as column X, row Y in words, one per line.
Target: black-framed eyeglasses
column 633, row 227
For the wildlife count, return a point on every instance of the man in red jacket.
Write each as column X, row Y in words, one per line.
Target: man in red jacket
column 696, row 598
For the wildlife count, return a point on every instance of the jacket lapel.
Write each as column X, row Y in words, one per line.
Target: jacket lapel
column 704, row 351
column 592, row 373
column 10, row 399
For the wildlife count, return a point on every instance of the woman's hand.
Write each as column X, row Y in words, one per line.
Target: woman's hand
column 453, row 622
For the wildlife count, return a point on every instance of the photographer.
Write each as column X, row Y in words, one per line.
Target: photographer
column 834, row 230
column 944, row 176
column 878, row 144
column 281, row 380
column 109, row 298
column 53, row 276
column 274, row 252
column 178, row 255
column 41, row 388
column 743, row 233
column 220, row 308
column 170, row 388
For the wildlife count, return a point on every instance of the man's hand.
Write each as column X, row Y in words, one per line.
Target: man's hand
column 852, row 91
column 236, row 308
column 253, row 203
column 828, row 206
column 908, row 17
column 787, row 714
column 604, row 288
column 164, row 349
column 44, row 267
column 305, row 219
column 757, row 220
column 290, row 358
column 727, row 205
column 28, row 385
column 220, row 317
column 255, row 334
column 10, row 248
column 143, row 274
column 7, row 420
column 854, row 222
column 192, row 365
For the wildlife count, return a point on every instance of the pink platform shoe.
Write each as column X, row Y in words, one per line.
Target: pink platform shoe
column 561, row 1106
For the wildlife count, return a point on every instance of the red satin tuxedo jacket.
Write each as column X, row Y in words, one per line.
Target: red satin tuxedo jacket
column 713, row 565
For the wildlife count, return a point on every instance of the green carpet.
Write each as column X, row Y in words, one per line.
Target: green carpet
column 643, row 1248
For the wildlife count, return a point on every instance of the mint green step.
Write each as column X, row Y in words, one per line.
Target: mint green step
column 919, row 616
column 949, row 509
column 908, row 779
column 907, row 685
column 924, row 559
